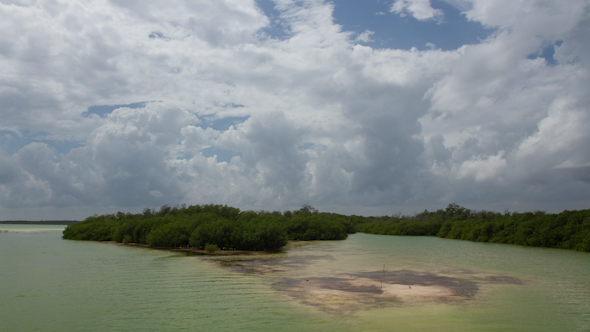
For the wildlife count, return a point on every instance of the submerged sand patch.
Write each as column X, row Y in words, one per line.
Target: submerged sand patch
column 368, row 290
column 363, row 290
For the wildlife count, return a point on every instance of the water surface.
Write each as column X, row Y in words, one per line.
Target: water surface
column 50, row 284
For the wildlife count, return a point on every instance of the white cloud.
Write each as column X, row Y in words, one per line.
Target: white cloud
column 483, row 168
column 558, row 143
column 365, row 37
column 329, row 122
column 419, row 9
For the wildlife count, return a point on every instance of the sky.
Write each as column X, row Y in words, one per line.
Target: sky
column 367, row 107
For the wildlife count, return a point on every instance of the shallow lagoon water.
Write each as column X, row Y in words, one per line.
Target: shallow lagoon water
column 50, row 284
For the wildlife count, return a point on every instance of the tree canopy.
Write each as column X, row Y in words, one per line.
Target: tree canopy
column 201, row 226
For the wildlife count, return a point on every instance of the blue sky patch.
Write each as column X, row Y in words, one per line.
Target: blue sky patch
column 225, row 123
column 104, row 110
column 277, row 29
column 11, row 142
column 391, row 30
column 222, row 154
column 547, row 53
column 396, row 32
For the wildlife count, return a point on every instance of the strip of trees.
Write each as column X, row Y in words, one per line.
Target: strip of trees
column 227, row 228
column 567, row 230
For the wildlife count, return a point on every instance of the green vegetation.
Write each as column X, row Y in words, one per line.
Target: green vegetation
column 568, row 230
column 211, row 247
column 213, row 227
column 208, row 227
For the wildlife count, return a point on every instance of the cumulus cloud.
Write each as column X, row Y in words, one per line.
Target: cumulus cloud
column 365, row 37
column 323, row 119
column 419, row 9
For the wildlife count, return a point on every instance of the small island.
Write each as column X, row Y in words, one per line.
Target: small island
column 212, row 228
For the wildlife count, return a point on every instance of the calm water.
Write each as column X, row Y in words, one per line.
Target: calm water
column 50, row 284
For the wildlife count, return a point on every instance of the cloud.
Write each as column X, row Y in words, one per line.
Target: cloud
column 482, row 169
column 365, row 37
column 558, row 144
column 419, row 9
column 311, row 117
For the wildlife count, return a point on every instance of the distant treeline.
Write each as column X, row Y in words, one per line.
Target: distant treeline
column 568, row 230
column 213, row 227
column 39, row 222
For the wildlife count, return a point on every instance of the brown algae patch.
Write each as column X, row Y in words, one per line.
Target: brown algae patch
column 270, row 263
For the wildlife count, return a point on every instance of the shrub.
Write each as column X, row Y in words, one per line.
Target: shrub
column 211, row 247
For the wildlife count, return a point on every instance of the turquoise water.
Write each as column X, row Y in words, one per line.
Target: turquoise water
column 50, row 284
